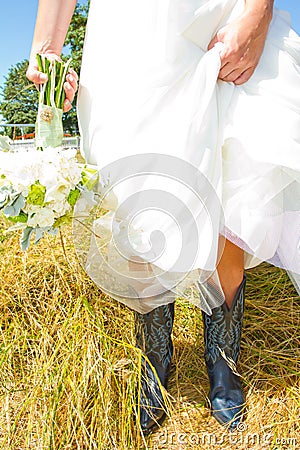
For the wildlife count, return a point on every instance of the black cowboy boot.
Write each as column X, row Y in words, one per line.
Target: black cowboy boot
column 222, row 336
column 153, row 336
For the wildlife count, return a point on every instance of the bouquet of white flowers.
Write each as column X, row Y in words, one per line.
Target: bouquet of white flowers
column 40, row 186
column 39, row 189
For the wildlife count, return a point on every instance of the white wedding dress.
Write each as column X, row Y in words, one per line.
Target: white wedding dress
column 183, row 157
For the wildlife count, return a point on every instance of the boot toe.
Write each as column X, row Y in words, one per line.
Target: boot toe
column 151, row 419
column 227, row 412
column 152, row 406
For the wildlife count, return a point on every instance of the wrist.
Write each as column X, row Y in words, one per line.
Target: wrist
column 51, row 26
column 47, row 46
column 257, row 17
column 43, row 49
column 261, row 9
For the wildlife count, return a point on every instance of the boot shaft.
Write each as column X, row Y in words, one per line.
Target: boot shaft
column 153, row 336
column 223, row 329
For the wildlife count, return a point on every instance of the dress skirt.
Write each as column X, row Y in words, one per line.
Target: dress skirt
column 185, row 159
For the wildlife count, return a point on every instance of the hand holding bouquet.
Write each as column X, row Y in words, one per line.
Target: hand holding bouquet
column 39, row 78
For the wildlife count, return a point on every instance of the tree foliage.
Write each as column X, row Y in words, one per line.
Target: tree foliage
column 20, row 97
column 75, row 36
column 74, row 42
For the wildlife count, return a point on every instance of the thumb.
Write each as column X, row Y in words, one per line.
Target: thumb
column 214, row 40
column 35, row 76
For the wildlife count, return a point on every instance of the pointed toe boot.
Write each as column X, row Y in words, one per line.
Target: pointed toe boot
column 222, row 337
column 153, row 336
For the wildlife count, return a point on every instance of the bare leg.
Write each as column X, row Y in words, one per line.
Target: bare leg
column 231, row 270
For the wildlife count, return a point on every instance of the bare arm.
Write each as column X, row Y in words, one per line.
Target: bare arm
column 244, row 40
column 52, row 23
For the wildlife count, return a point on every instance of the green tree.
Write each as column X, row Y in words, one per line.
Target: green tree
column 74, row 43
column 20, row 97
column 75, row 36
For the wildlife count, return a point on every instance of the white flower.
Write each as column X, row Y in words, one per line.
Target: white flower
column 56, row 170
column 60, row 168
column 21, row 168
column 48, row 176
column 42, row 218
column 61, row 208
column 57, row 193
column 31, row 209
column 5, row 143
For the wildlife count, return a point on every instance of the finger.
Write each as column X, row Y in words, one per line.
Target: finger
column 245, row 76
column 232, row 76
column 67, row 105
column 228, row 69
column 70, row 92
column 225, row 59
column 214, row 40
column 36, row 76
column 72, row 81
column 224, row 62
column 72, row 72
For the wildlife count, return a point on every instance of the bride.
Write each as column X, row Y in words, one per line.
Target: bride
column 178, row 97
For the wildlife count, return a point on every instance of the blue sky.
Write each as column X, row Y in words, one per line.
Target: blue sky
column 16, row 32
column 17, row 24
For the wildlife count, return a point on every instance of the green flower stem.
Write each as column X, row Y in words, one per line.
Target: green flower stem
column 53, row 92
column 52, row 82
column 61, row 93
column 48, row 83
column 39, row 61
column 60, row 72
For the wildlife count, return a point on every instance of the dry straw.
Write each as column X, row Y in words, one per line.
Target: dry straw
column 69, row 366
